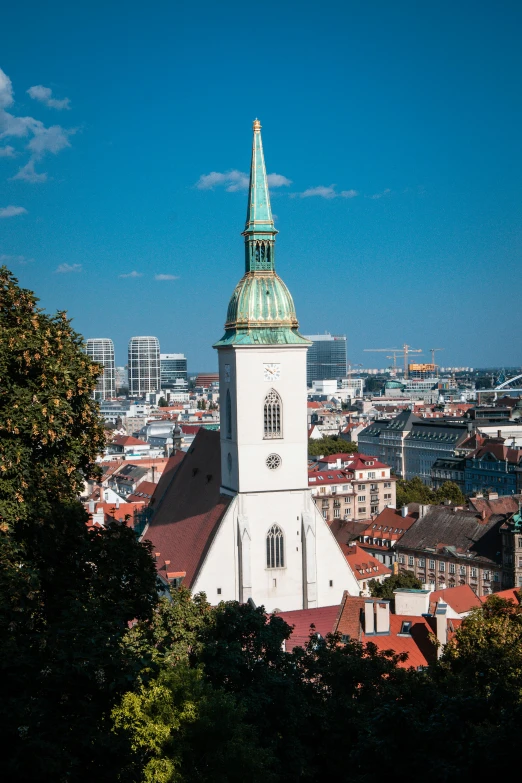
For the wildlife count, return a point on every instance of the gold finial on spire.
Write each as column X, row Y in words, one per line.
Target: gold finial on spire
column 257, row 125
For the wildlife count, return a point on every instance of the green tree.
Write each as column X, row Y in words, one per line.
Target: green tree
column 50, row 432
column 162, row 403
column 330, row 445
column 451, row 491
column 385, row 589
column 413, row 491
column 67, row 592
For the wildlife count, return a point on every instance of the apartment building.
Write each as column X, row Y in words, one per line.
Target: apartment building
column 351, row 486
column 448, row 546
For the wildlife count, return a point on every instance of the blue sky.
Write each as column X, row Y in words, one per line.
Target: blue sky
column 112, row 112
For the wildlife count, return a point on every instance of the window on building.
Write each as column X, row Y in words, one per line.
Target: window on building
column 387, row 484
column 520, row 581
column 422, row 562
column 462, row 570
column 442, row 566
column 474, row 573
column 410, row 560
column 345, row 487
column 273, row 427
column 337, row 513
column 452, row 568
column 371, row 474
column 361, row 498
column 520, row 562
column 361, row 486
column 432, row 565
column 347, row 499
column 325, row 513
column 401, row 559
column 374, row 509
column 520, row 543
column 275, row 555
column 229, row 414
column 362, row 509
column 496, row 576
column 486, row 576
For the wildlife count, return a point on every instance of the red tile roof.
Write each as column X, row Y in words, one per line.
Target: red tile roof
column 128, row 440
column 461, row 599
column 188, row 513
column 393, row 521
column 363, row 565
column 512, row 594
column 505, row 504
column 144, row 491
column 323, row 619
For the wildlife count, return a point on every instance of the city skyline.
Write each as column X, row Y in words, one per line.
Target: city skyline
column 393, row 161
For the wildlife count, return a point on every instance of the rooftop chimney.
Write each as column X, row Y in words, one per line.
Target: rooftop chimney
column 442, row 625
column 91, row 506
column 369, row 620
column 382, row 611
column 404, row 511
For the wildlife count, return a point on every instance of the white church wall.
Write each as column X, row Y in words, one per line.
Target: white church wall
column 219, row 570
column 332, row 566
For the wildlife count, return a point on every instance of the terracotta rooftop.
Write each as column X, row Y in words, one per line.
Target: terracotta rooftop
column 504, row 504
column 127, row 440
column 323, row 619
column 190, row 509
column 363, row 565
column 461, row 599
column 143, row 491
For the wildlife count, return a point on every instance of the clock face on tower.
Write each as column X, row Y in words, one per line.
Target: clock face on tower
column 271, row 372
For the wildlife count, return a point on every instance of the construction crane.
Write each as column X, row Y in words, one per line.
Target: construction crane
column 433, row 354
column 394, row 357
column 405, row 350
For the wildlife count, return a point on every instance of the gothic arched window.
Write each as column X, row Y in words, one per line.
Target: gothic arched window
column 228, row 415
column 275, row 550
column 273, row 424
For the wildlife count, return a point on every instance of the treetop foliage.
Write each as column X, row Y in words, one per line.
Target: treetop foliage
column 330, row 445
column 416, row 491
column 50, row 434
column 404, row 579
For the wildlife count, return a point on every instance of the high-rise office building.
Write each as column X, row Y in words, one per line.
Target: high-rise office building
column 101, row 351
column 122, row 378
column 326, row 357
column 173, row 371
column 144, row 365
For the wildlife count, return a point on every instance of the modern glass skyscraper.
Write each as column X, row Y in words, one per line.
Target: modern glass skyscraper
column 101, row 351
column 326, row 357
column 173, row 370
column 144, row 365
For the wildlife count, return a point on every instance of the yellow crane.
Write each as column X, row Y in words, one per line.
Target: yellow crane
column 405, row 350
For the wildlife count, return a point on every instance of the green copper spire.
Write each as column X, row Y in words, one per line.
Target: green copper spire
column 261, row 310
column 259, row 230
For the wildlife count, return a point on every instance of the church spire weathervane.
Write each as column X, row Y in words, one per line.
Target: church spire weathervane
column 259, row 230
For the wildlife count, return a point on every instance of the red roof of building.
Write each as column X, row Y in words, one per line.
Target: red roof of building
column 512, row 594
column 390, row 524
column 504, row 504
column 363, row 565
column 323, row 619
column 461, row 599
column 190, row 429
column 128, row 440
column 314, row 404
column 143, row 491
column 331, row 476
column 121, row 511
column 188, row 513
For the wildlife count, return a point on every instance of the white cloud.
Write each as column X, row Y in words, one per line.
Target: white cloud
column 328, row 192
column 51, row 139
column 9, row 259
column 320, row 190
column 12, row 211
column 277, row 180
column 7, row 152
column 43, row 140
column 236, row 180
column 132, row 274
column 28, row 174
column 380, row 195
column 44, row 95
column 64, row 269
column 166, row 277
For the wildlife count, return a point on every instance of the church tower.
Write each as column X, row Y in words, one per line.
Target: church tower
column 285, row 556
column 262, row 362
